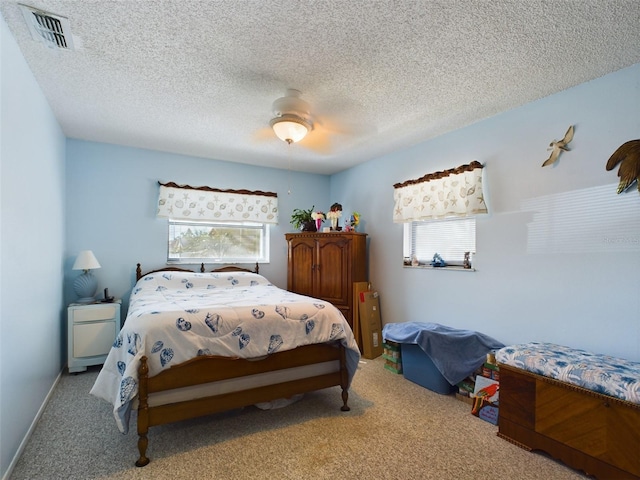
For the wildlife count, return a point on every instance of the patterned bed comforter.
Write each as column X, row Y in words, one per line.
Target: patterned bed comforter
column 601, row 373
column 176, row 316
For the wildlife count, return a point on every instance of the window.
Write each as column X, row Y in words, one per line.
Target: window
column 219, row 242
column 449, row 237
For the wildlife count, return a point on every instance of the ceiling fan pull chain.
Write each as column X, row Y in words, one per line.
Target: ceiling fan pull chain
column 289, row 168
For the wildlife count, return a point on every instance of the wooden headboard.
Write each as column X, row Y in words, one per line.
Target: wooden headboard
column 229, row 268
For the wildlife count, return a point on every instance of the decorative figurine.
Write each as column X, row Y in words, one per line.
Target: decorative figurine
column 334, row 213
column 558, row 146
column 438, row 261
column 629, row 154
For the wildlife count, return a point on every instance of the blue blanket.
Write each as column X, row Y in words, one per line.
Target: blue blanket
column 455, row 353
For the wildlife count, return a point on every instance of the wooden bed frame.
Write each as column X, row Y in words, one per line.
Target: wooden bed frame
column 230, row 268
column 206, row 369
column 586, row 430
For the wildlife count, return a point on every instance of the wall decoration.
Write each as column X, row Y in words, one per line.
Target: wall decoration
column 629, row 154
column 557, row 146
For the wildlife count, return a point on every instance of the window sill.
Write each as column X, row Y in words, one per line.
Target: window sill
column 458, row 268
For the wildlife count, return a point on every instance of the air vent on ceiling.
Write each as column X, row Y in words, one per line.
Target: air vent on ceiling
column 52, row 30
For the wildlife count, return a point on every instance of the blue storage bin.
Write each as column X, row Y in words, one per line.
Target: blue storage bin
column 418, row 368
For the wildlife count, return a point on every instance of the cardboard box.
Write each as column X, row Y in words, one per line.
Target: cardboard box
column 464, row 398
column 392, row 365
column 358, row 288
column 490, row 370
column 393, row 356
column 391, row 349
column 466, row 387
column 370, row 325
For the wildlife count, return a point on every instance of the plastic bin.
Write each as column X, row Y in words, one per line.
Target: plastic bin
column 418, row 368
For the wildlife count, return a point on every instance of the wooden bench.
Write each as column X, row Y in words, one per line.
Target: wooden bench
column 587, row 430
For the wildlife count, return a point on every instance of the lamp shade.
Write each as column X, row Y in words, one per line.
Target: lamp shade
column 290, row 128
column 86, row 261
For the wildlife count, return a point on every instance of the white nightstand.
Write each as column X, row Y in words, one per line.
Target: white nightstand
column 92, row 329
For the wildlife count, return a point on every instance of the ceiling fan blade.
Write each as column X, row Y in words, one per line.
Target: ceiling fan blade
column 345, row 128
column 264, row 134
column 317, row 141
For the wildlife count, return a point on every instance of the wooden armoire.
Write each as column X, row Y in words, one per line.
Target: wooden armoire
column 325, row 265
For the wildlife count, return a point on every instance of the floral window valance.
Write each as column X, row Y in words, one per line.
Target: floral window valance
column 183, row 202
column 452, row 193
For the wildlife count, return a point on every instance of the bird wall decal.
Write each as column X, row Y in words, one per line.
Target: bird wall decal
column 558, row 146
column 629, row 154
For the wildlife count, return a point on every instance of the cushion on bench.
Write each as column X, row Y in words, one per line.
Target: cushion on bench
column 604, row 374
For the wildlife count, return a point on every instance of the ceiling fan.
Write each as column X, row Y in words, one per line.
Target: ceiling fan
column 293, row 122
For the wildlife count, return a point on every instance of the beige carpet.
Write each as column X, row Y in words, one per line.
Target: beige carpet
column 395, row 430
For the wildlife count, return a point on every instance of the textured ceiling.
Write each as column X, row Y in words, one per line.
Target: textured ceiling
column 199, row 77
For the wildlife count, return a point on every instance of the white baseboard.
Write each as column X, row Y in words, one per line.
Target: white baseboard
column 32, row 427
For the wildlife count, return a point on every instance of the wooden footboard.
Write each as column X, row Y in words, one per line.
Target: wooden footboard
column 595, row 433
column 207, row 369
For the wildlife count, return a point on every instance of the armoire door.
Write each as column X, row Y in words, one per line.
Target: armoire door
column 333, row 272
column 301, row 269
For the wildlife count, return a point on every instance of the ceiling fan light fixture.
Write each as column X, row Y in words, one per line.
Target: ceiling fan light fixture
column 290, row 128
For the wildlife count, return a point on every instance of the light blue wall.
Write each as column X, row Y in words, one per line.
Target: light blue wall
column 585, row 293
column 112, row 192
column 32, row 152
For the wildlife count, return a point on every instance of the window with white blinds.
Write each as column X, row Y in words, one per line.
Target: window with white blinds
column 449, row 237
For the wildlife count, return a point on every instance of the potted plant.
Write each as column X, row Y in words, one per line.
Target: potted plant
column 303, row 220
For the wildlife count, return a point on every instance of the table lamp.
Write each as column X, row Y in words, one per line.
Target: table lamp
column 86, row 284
